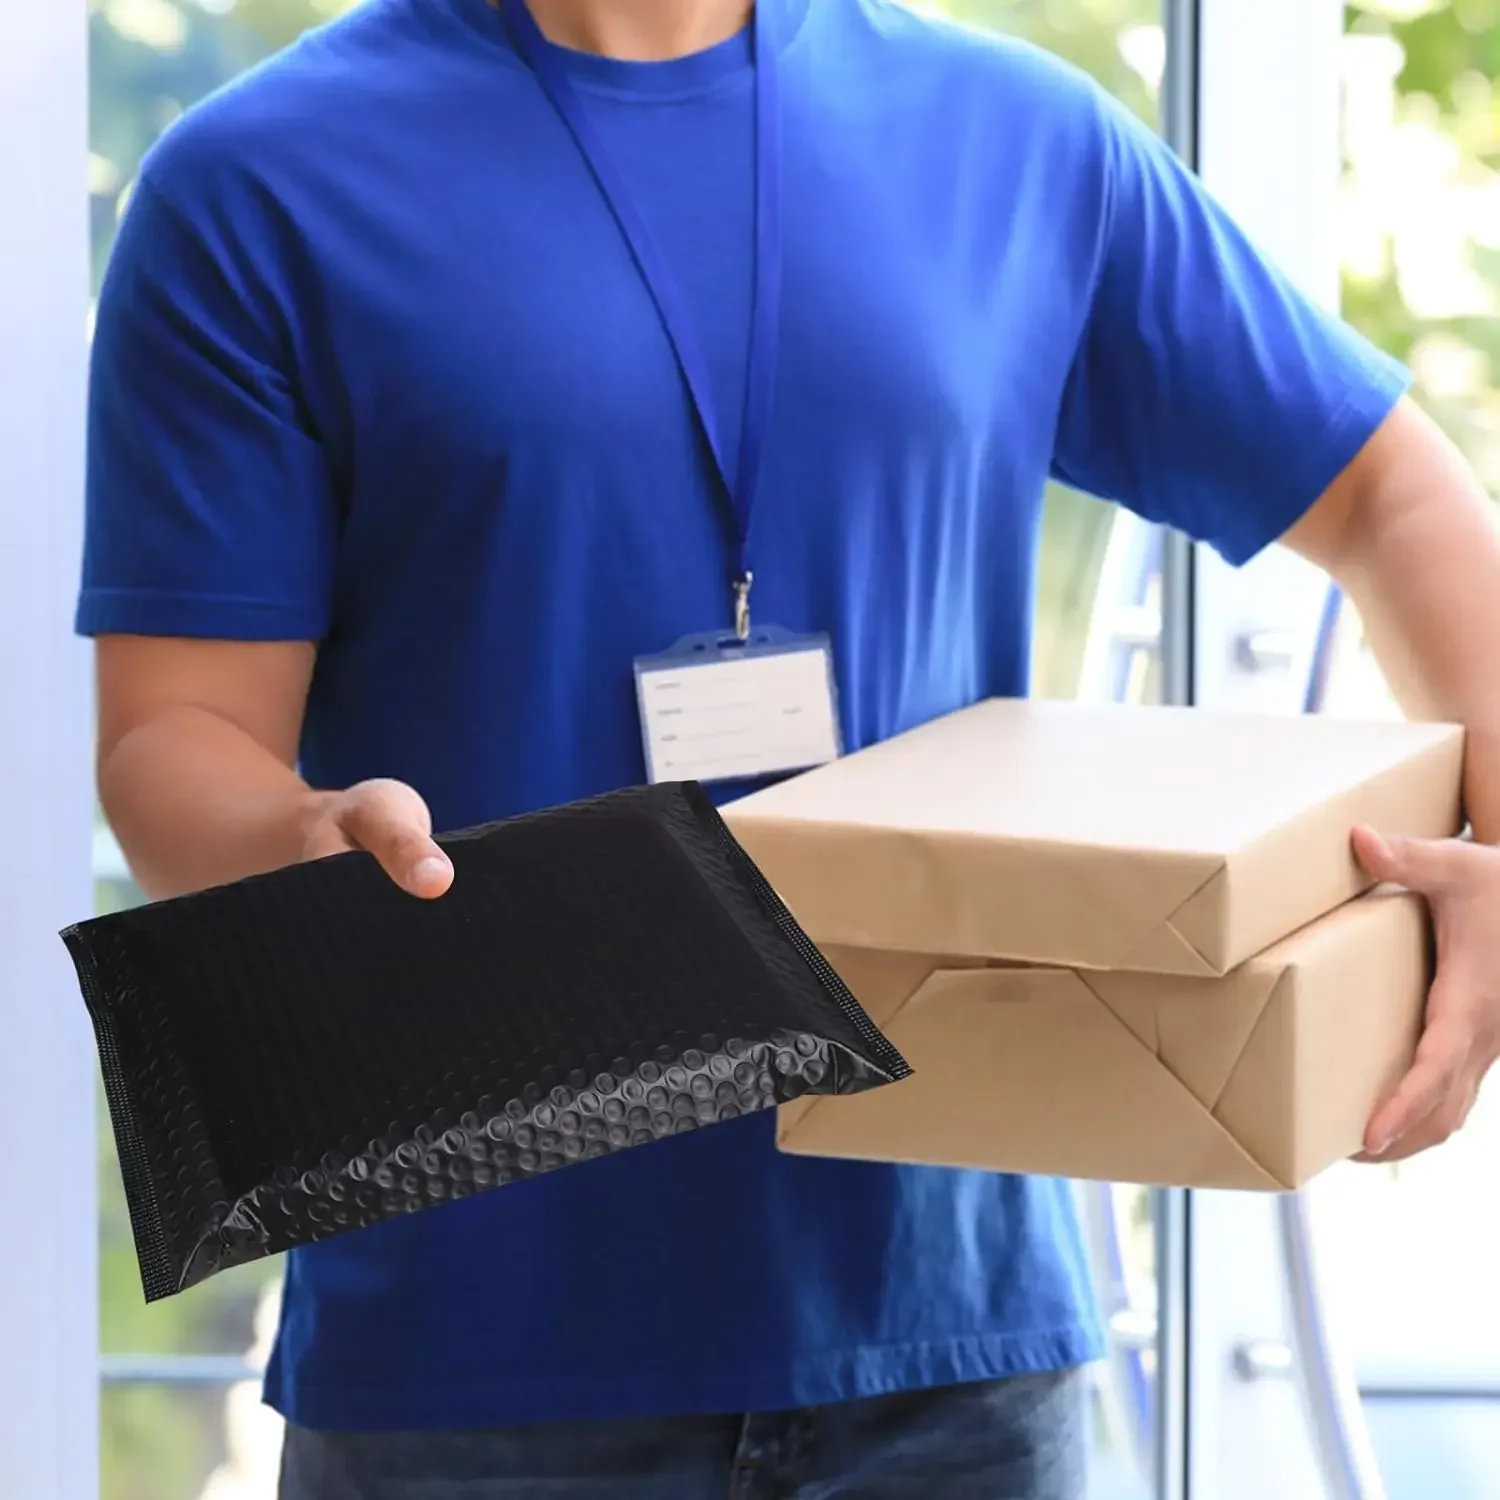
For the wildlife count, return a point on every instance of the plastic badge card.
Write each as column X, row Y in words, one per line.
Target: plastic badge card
column 715, row 708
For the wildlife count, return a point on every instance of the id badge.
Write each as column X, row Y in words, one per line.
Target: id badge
column 715, row 708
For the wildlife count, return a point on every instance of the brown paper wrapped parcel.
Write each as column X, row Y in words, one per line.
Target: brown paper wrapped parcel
column 1126, row 944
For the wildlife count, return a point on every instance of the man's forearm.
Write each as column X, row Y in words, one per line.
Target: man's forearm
column 195, row 801
column 1416, row 547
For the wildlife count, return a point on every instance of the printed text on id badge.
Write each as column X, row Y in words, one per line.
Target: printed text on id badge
column 717, row 709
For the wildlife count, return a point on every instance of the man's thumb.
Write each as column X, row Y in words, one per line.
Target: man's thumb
column 1423, row 865
column 391, row 821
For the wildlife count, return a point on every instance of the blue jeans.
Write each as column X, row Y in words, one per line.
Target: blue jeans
column 1020, row 1439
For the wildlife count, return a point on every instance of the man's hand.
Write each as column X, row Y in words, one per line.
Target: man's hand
column 389, row 820
column 1461, row 1038
column 198, row 748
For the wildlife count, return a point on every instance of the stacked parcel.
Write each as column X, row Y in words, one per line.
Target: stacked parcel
column 1127, row 944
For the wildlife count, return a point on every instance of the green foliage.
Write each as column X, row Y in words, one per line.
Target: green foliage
column 1086, row 32
column 1444, row 45
column 279, row 22
column 158, row 1444
column 1448, row 66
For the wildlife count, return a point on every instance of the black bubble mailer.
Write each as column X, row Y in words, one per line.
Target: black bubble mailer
column 314, row 1051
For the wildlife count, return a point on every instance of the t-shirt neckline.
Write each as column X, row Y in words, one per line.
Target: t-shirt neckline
column 725, row 63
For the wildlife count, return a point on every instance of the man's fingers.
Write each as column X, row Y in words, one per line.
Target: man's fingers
column 1432, row 1130
column 1413, row 1102
column 1429, row 866
column 392, row 822
column 1435, row 1074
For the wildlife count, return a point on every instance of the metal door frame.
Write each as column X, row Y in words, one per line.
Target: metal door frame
column 1262, row 1400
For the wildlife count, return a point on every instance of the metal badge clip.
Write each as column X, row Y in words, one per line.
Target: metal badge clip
column 742, row 605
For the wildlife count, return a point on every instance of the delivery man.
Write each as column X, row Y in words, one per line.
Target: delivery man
column 467, row 354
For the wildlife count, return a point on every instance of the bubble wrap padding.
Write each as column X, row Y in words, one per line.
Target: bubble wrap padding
column 313, row 1051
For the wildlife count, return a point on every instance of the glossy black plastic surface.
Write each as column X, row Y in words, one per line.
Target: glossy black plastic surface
column 312, row 1051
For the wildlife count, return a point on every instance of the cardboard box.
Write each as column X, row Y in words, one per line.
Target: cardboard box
column 1115, row 943
column 1257, row 1080
column 1164, row 840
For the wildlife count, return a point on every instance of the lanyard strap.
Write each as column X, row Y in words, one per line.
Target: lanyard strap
column 738, row 487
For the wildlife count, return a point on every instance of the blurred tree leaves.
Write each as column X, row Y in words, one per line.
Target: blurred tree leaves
column 1447, row 66
column 278, row 22
column 1443, row 44
column 1095, row 35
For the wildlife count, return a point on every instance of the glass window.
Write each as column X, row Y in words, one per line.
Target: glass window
column 185, row 1430
column 1409, row 1249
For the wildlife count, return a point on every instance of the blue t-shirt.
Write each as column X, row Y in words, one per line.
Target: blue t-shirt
column 374, row 367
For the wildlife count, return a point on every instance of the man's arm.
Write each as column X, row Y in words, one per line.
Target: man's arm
column 197, row 755
column 1411, row 537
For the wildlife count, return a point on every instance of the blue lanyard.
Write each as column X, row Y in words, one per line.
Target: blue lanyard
column 740, row 487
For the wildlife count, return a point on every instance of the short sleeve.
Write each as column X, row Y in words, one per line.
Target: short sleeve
column 209, row 504
column 1207, row 393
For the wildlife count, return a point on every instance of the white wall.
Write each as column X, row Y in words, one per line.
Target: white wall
column 48, row 1227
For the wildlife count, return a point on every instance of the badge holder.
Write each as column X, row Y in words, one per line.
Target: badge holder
column 717, row 707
